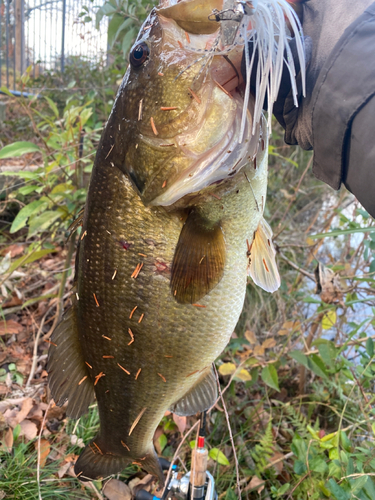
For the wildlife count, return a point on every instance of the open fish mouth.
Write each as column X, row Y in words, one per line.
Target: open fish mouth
column 205, row 136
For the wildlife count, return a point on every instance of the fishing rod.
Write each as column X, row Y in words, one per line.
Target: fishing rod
column 197, row 484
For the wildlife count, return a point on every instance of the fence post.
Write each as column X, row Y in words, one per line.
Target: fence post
column 63, row 37
column 20, row 35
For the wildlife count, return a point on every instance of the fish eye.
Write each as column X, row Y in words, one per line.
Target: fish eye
column 139, row 55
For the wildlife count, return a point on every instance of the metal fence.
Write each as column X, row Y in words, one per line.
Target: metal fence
column 47, row 34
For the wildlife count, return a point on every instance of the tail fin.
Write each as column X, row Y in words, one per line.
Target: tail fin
column 94, row 464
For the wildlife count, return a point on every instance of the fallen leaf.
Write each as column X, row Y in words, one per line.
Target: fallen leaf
column 258, row 350
column 27, row 404
column 10, row 327
column 250, row 337
column 289, row 327
column 144, row 484
column 180, row 422
column 28, row 429
column 133, row 483
column 15, row 249
column 45, row 448
column 268, row 343
column 243, row 375
column 8, row 439
column 63, row 469
column 12, row 302
column 279, row 466
column 255, row 484
column 227, row 369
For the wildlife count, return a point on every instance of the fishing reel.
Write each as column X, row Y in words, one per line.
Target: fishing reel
column 181, row 487
column 197, row 484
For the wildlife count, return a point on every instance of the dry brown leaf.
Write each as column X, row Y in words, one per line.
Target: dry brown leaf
column 255, row 484
column 289, row 327
column 45, row 448
column 268, row 343
column 258, row 350
column 143, row 484
column 28, row 429
column 27, row 404
column 180, row 422
column 250, row 337
column 15, row 249
column 328, row 285
column 133, row 483
column 10, row 327
column 279, row 466
column 63, row 469
column 12, row 302
column 8, row 439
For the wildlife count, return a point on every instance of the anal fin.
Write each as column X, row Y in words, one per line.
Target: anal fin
column 68, row 375
column 201, row 396
column 199, row 259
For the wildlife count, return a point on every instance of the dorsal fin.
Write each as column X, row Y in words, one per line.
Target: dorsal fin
column 263, row 267
column 199, row 259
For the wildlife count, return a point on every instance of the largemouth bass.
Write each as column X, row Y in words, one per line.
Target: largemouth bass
column 172, row 225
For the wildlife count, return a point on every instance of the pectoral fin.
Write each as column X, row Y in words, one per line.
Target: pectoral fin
column 201, row 396
column 199, row 259
column 263, row 267
column 68, row 375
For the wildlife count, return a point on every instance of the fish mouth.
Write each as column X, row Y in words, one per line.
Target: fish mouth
column 202, row 142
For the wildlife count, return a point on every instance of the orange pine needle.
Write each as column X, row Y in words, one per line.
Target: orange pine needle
column 141, row 318
column 142, row 255
column 161, row 376
column 223, row 89
column 180, row 44
column 98, row 377
column 96, row 300
column 132, row 312
column 160, row 74
column 124, row 445
column 192, row 373
column 164, row 184
column 187, row 37
column 167, row 108
column 131, row 336
column 96, row 446
column 114, row 274
column 137, row 420
column 82, row 380
column 138, row 372
column 154, row 129
column 140, row 110
column 198, row 305
column 50, row 342
column 265, row 265
column 166, row 356
column 215, row 196
column 194, row 95
column 88, row 364
column 84, row 234
column 108, row 357
column 122, row 368
column 104, row 337
column 136, row 271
